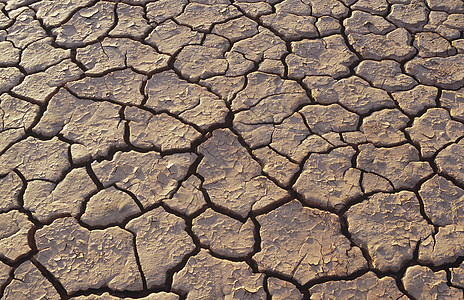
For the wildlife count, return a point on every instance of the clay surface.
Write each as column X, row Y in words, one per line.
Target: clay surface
column 231, row 149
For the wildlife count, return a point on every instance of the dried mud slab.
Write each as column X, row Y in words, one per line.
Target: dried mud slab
column 41, row 54
column 151, row 180
column 122, row 87
column 267, row 99
column 16, row 117
column 258, row 107
column 47, row 200
column 353, row 93
column 5, row 21
column 395, row 45
column 233, row 179
column 81, row 259
column 326, row 56
column 263, row 46
column 281, row 289
column 442, row 201
column 328, row 180
column 200, row 16
column 197, row 62
column 329, row 118
column 431, row 44
column 10, row 189
column 454, row 102
column 365, row 22
column 188, row 199
column 236, row 29
column 25, row 30
column 422, row 283
column 48, row 160
column 327, row 25
column 153, row 296
column 189, row 101
column 384, row 127
column 14, row 232
column 224, row 235
column 449, row 161
column 291, row 26
column 443, row 204
column 53, row 13
column 159, row 131
column 4, row 273
column 29, row 282
column 305, row 244
column 457, row 276
column 41, row 86
column 416, row 99
column 411, row 15
column 118, row 53
column 389, row 227
column 161, row 242
column 255, row 9
column 109, row 206
column 444, row 72
column 433, row 130
column 9, row 77
column 10, row 55
column 86, row 26
column 400, row 165
column 385, row 74
column 444, row 247
column 276, row 166
column 169, row 37
column 94, row 125
column 207, row 277
column 368, row 286
column 131, row 22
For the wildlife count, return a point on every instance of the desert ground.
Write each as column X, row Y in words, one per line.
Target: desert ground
column 231, row 149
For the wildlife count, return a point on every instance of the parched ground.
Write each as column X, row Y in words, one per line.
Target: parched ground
column 231, row 149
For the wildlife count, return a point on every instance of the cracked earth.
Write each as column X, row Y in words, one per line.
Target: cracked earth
column 231, row 149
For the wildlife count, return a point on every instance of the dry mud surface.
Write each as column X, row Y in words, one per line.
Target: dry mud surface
column 231, row 149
